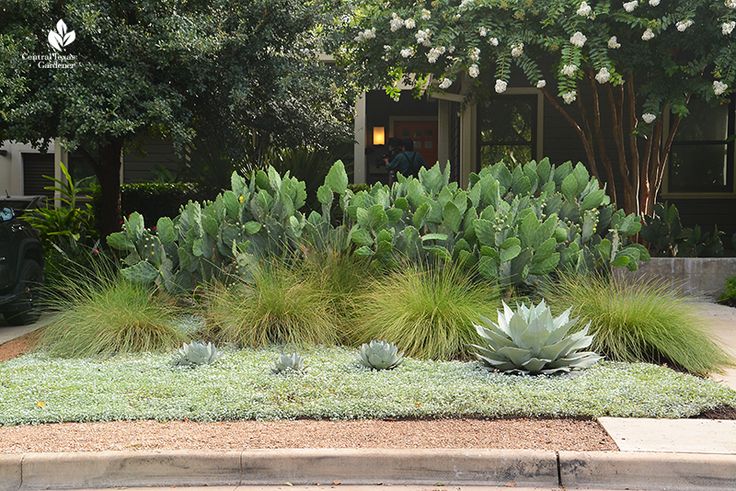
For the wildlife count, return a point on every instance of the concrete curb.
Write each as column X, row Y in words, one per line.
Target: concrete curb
column 522, row 468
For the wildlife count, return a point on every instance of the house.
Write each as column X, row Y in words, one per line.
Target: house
column 22, row 167
column 470, row 133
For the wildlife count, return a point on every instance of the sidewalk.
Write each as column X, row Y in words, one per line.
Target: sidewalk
column 8, row 333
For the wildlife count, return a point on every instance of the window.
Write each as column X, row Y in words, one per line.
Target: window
column 507, row 129
column 702, row 158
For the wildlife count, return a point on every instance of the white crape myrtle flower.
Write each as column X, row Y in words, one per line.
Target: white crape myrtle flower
column 445, row 83
column 483, row 32
column 578, row 39
column 451, row 49
column 475, row 54
column 541, row 84
column 407, row 52
column 435, row 53
column 366, row 34
column 474, row 71
column 730, row 4
column 653, row 3
column 683, row 25
column 603, row 75
column 648, row 35
column 396, row 22
column 569, row 97
column 719, row 87
column 584, row 10
column 569, row 70
column 630, row 6
column 410, row 23
column 501, row 86
column 613, row 43
column 426, row 14
column 648, row 118
column 493, row 41
column 517, row 50
column 728, row 27
column 423, row 37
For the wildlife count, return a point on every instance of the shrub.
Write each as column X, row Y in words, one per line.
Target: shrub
column 428, row 312
column 514, row 225
column 158, row 199
column 728, row 297
column 639, row 321
column 281, row 305
column 665, row 235
column 102, row 314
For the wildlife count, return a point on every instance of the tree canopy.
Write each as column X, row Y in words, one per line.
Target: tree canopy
column 644, row 57
column 164, row 67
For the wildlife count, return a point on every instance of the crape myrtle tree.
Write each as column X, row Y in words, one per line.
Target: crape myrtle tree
column 613, row 69
column 161, row 67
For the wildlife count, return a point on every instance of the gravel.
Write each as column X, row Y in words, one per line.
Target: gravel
column 152, row 435
column 240, row 386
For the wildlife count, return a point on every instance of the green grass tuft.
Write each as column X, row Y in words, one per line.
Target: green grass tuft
column 642, row 320
column 101, row 314
column 427, row 312
column 282, row 305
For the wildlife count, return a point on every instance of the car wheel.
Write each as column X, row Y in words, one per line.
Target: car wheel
column 26, row 310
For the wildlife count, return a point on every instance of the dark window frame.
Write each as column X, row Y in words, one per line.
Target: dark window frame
column 532, row 144
column 729, row 142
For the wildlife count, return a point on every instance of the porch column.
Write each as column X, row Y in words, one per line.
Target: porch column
column 443, row 133
column 468, row 142
column 359, row 170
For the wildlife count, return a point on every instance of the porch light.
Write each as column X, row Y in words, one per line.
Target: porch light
column 379, row 135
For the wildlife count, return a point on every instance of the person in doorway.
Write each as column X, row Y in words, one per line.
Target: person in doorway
column 407, row 162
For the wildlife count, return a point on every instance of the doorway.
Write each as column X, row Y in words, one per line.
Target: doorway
column 422, row 131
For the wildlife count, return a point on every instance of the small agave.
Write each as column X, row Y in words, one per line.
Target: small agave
column 288, row 363
column 197, row 353
column 531, row 341
column 380, row 355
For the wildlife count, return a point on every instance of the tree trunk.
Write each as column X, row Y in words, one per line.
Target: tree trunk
column 641, row 158
column 107, row 170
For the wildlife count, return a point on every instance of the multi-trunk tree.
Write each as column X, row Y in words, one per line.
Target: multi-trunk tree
column 622, row 73
column 113, row 70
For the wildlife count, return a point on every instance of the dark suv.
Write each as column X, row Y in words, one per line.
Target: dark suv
column 21, row 263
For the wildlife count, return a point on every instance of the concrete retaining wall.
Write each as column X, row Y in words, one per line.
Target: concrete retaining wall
column 704, row 276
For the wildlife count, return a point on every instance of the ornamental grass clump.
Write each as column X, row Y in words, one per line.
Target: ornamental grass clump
column 641, row 320
column 428, row 312
column 101, row 314
column 282, row 304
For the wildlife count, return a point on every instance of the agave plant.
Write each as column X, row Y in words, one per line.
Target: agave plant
column 288, row 363
column 530, row 341
column 380, row 355
column 197, row 353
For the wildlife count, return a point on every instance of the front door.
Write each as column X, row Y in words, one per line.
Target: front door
column 424, row 135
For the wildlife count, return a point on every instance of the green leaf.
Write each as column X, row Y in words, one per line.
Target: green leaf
column 324, row 195
column 165, row 230
column 134, row 225
column 427, row 237
column 484, row 232
column 142, row 272
column 120, row 241
column 252, row 227
column 337, row 179
column 452, row 217
column 360, row 236
column 570, row 187
column 510, row 248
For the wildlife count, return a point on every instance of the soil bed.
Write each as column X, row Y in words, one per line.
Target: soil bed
column 546, row 434
column 19, row 346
